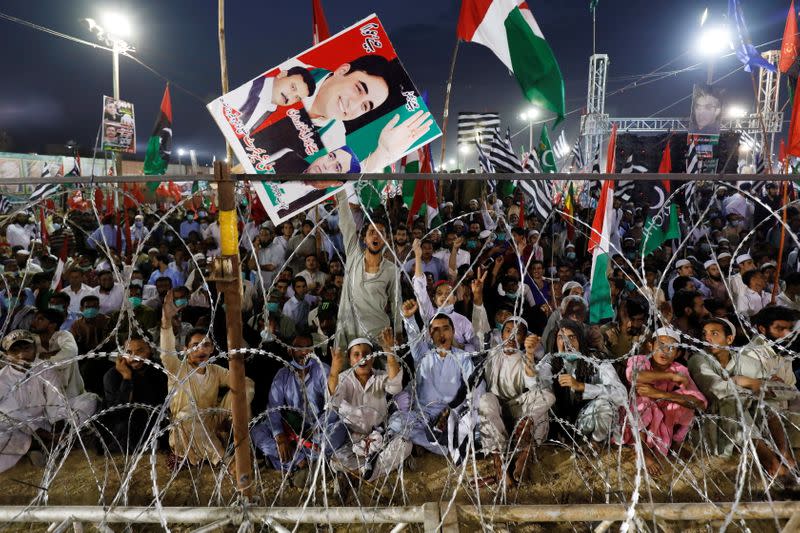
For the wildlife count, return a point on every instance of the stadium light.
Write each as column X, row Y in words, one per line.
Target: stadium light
column 116, row 24
column 452, row 163
column 464, row 149
column 736, row 111
column 713, row 41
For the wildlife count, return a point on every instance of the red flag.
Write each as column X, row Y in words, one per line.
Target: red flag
column 45, row 236
column 119, row 235
column 320, row 25
column 791, row 43
column 522, row 212
column 612, row 149
column 62, row 260
column 98, row 200
column 794, row 125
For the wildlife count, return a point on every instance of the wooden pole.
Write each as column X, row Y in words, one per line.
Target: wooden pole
column 229, row 284
column 223, row 62
column 445, row 115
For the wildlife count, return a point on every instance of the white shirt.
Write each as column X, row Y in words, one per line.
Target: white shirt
column 314, row 279
column 213, row 231
column 462, row 258
column 16, row 235
column 291, row 308
column 273, row 254
column 111, row 301
column 362, row 407
column 76, row 297
column 751, row 302
column 69, row 375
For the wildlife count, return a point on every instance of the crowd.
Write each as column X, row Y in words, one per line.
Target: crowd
column 376, row 337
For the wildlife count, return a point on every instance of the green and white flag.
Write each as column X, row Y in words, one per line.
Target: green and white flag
column 508, row 28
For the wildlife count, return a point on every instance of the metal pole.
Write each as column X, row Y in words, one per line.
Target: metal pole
column 530, row 135
column 229, row 283
column 223, row 61
column 446, row 111
column 710, row 72
column 117, row 158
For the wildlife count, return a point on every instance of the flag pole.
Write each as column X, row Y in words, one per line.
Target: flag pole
column 445, row 113
column 776, row 284
column 223, row 62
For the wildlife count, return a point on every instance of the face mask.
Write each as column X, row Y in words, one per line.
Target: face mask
column 189, row 217
column 137, row 282
column 501, row 236
column 498, row 326
column 181, row 302
column 135, row 301
column 56, row 227
column 267, row 336
column 446, row 309
column 272, row 307
column 571, row 256
column 11, row 303
column 139, row 223
column 56, row 307
column 512, row 295
column 90, row 312
column 471, row 245
column 569, row 356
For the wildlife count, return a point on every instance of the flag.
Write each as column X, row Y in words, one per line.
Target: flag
column 793, row 147
column 611, row 156
column 55, row 285
column 540, row 192
column 593, row 5
column 483, row 160
column 423, row 199
column 5, row 205
column 761, row 167
column 624, row 189
column 508, row 28
column 569, row 212
column 531, row 164
column 43, row 191
column 76, row 165
column 600, row 307
column 43, row 225
column 477, row 128
column 791, row 42
column 660, row 226
column 159, row 146
column 320, row 25
column 577, row 155
column 545, row 153
column 744, row 48
column 501, row 155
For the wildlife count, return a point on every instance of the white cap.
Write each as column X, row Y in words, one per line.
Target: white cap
column 723, row 255
column 447, row 204
column 359, row 340
column 668, row 332
column 723, row 239
column 768, row 264
column 517, row 319
column 139, row 217
column 742, row 258
column 570, row 245
column 568, row 286
column 533, row 232
column 485, row 234
column 709, row 263
column 682, row 263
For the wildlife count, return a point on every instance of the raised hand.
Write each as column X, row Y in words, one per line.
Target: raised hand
column 409, row 308
column 122, row 367
column 396, row 138
column 531, row 343
column 416, row 247
column 387, row 339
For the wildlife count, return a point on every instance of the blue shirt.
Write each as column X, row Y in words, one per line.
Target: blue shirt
column 438, row 378
column 188, row 227
column 106, row 235
column 171, row 273
column 306, row 399
column 435, row 267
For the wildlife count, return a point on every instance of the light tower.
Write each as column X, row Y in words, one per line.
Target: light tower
column 595, row 122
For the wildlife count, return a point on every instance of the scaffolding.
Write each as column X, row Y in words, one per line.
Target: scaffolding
column 594, row 124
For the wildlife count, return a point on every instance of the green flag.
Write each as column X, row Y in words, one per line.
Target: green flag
column 545, row 152
column 159, row 145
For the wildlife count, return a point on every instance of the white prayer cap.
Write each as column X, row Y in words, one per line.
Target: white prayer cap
column 709, row 263
column 518, row 319
column 138, row 217
column 742, row 258
column 768, row 264
column 568, row 286
column 360, row 340
column 720, row 241
column 446, row 204
column 485, row 234
column 152, row 251
column 569, row 245
column 682, row 263
column 723, row 255
column 533, row 232
column 668, row 332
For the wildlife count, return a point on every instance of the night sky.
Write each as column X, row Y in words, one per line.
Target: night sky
column 52, row 88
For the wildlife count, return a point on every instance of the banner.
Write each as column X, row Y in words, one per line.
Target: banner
column 346, row 105
column 706, row 115
column 119, row 127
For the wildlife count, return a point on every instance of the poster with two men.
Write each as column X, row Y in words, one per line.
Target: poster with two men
column 346, row 105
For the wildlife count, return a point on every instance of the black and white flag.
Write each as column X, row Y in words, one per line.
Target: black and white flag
column 501, row 155
column 474, row 128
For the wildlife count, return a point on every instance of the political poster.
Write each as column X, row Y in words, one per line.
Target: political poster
column 706, row 115
column 346, row 105
column 119, row 126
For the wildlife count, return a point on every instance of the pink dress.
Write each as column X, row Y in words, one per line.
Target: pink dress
column 665, row 422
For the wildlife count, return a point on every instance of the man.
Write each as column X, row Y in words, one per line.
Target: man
column 188, row 225
column 91, row 333
column 300, row 304
column 790, row 296
column 706, row 111
column 441, row 372
column 400, row 244
column 665, row 402
column 315, row 279
column 161, row 269
column 163, row 286
column 733, row 402
column 452, row 255
column 516, row 397
column 270, row 255
column 359, row 396
column 139, row 231
column 105, row 236
column 77, row 289
column 31, row 403
column 371, row 282
column 689, row 312
column 685, row 268
column 745, row 264
column 714, row 282
column 60, row 348
column 133, row 380
column 754, row 297
column 17, row 233
column 110, row 294
column 301, row 245
column 59, row 301
column 297, row 423
column 430, row 264
column 621, row 336
column 198, row 428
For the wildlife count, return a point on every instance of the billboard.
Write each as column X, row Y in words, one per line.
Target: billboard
column 346, row 105
column 119, row 127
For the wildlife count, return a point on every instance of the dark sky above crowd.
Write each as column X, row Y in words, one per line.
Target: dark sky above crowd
column 52, row 88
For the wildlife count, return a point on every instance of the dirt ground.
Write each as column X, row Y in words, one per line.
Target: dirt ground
column 556, row 477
